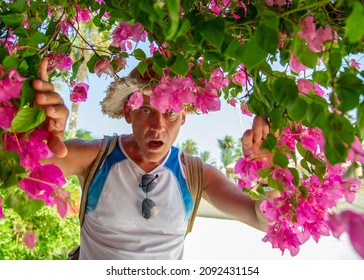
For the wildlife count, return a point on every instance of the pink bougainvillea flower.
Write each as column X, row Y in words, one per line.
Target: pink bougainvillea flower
column 103, row 66
column 31, row 148
column 83, row 15
column 277, row 2
column 245, row 110
column 62, row 199
column 241, row 76
column 208, row 101
column 173, row 93
column 353, row 224
column 304, row 86
column 288, row 139
column 135, row 100
column 42, row 182
column 30, row 239
column 356, row 152
column 296, row 65
column 284, row 236
column 125, row 32
column 248, row 171
column 65, row 26
column 350, row 188
column 120, row 62
column 60, row 61
column 11, row 86
column 318, row 90
column 1, row 208
column 7, row 114
column 355, row 64
column 79, row 92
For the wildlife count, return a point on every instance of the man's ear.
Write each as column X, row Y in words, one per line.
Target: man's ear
column 184, row 114
column 127, row 112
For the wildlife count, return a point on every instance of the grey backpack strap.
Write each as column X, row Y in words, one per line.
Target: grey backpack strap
column 195, row 181
column 108, row 145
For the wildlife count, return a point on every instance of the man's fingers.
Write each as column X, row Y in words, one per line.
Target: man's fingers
column 48, row 98
column 56, row 145
column 247, row 142
column 43, row 70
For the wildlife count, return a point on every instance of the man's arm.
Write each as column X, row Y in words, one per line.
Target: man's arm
column 73, row 156
column 224, row 195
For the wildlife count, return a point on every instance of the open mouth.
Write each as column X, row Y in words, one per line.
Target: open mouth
column 154, row 144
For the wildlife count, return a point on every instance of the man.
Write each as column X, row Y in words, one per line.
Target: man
column 138, row 205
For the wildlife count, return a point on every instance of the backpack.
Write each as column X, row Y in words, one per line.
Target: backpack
column 193, row 170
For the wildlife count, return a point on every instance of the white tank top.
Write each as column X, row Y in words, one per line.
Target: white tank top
column 114, row 227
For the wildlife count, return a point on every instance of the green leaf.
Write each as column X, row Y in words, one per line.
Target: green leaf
column 10, row 171
column 139, row 54
column 37, row 38
column 296, row 176
column 27, row 119
column 75, row 66
column 19, row 6
column 12, row 20
column 266, row 38
column 297, row 109
column 285, row 91
column 360, row 119
column 142, row 67
column 349, row 88
column 274, row 184
column 307, row 57
column 213, row 31
column 269, row 18
column 173, row 12
column 355, row 23
column 29, row 208
column 264, row 172
column 10, row 62
column 248, row 59
column 33, row 62
column 27, row 93
column 321, row 78
column 269, row 143
column 180, row 66
column 280, row 159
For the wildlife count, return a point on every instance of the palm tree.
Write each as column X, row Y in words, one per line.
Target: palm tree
column 189, row 147
column 205, row 156
column 230, row 152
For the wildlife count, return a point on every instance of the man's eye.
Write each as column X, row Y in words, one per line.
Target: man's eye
column 170, row 113
column 145, row 111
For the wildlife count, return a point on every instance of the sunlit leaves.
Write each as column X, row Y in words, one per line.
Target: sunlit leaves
column 27, row 119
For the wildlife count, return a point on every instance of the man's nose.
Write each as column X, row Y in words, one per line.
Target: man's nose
column 158, row 121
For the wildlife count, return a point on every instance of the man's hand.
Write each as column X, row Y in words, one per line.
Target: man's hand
column 253, row 138
column 56, row 111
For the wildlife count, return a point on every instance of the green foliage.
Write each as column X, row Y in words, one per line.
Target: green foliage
column 55, row 236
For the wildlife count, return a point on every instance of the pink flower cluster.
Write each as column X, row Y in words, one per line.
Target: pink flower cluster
column 126, row 32
column 43, row 181
column 10, row 87
column 298, row 214
column 173, row 93
column 315, row 39
column 79, row 92
column 10, row 42
column 221, row 7
column 60, row 61
column 350, row 222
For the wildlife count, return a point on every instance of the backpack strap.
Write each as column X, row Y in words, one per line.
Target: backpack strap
column 195, row 181
column 108, row 145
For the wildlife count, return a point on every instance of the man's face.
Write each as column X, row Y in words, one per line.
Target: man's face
column 153, row 131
